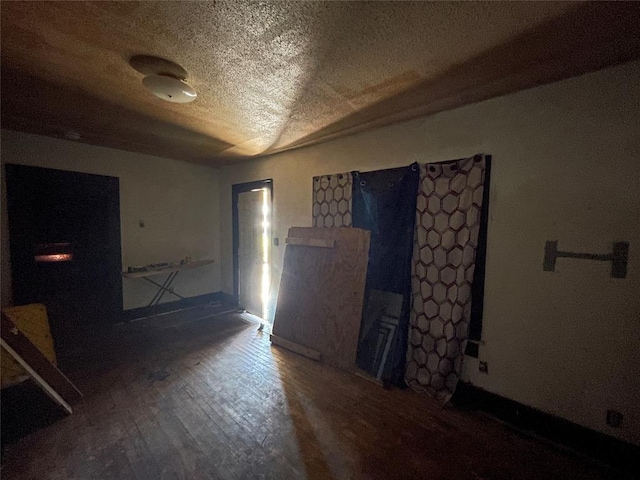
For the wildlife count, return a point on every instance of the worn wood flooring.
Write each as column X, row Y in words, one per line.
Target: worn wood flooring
column 194, row 396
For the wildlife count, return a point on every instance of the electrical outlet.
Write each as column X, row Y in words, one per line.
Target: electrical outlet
column 483, row 367
column 614, row 418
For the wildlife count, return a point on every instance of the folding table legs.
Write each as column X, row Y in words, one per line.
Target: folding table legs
column 162, row 289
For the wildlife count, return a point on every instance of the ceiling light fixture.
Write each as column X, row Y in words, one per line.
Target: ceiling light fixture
column 169, row 88
column 164, row 78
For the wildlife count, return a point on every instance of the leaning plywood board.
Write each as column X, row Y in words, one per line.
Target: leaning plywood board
column 295, row 347
column 43, row 372
column 322, row 292
column 33, row 322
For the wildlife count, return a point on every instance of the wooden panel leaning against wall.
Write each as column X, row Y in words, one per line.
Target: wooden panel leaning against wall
column 322, row 291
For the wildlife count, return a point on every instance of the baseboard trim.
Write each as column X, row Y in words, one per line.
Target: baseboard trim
column 228, row 299
column 596, row 445
column 141, row 312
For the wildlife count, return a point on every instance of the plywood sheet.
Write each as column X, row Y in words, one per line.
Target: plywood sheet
column 322, row 292
column 311, row 242
column 294, row 347
column 33, row 322
column 43, row 372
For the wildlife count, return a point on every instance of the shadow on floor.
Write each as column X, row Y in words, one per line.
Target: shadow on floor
column 25, row 409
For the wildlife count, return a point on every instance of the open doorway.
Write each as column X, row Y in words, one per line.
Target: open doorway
column 64, row 233
column 251, row 203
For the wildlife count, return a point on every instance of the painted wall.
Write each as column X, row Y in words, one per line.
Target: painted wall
column 566, row 167
column 178, row 202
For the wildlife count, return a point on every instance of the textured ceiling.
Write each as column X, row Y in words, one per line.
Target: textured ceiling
column 276, row 75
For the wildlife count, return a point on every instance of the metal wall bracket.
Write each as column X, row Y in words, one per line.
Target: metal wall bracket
column 618, row 257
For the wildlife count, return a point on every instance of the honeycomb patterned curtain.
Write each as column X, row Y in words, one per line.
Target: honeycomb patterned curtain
column 332, row 200
column 448, row 217
column 447, row 225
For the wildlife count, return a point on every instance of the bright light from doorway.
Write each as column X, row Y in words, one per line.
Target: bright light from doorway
column 266, row 244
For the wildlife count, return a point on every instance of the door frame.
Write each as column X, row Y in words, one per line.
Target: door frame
column 110, row 189
column 236, row 190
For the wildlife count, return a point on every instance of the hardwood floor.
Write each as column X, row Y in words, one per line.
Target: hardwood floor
column 195, row 396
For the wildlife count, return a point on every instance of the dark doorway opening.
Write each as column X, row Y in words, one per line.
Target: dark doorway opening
column 64, row 230
column 252, row 246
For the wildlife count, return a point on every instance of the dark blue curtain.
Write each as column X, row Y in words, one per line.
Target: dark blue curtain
column 384, row 202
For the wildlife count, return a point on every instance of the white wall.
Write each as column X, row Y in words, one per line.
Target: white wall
column 178, row 202
column 566, row 166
